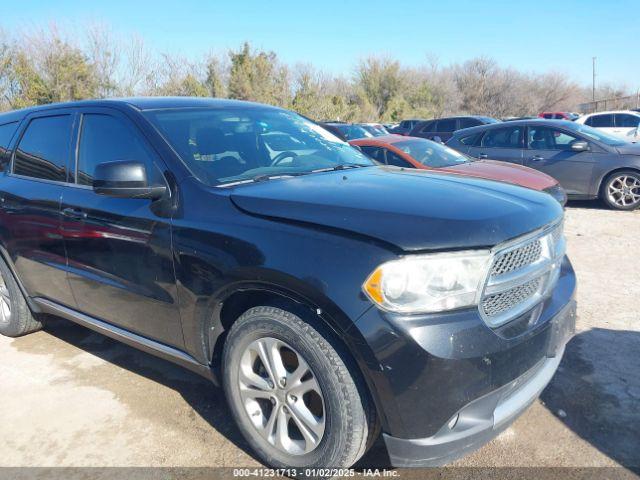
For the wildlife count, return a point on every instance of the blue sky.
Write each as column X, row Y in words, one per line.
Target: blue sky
column 533, row 35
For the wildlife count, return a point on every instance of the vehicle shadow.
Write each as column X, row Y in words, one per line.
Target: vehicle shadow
column 596, row 392
column 205, row 398
column 587, row 204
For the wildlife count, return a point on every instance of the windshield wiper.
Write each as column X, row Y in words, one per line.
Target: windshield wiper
column 272, row 176
column 342, row 166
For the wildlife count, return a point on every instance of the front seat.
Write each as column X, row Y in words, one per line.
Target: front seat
column 213, row 141
column 539, row 141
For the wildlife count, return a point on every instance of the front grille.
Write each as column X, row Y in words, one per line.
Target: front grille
column 521, row 275
column 501, row 302
column 518, row 258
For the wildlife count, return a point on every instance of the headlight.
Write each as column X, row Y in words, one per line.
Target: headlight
column 558, row 193
column 429, row 283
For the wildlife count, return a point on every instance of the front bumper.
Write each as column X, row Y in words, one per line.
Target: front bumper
column 446, row 384
column 483, row 419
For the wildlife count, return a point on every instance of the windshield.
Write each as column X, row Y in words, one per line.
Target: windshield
column 431, row 154
column 229, row 145
column 596, row 134
column 376, row 130
column 351, row 132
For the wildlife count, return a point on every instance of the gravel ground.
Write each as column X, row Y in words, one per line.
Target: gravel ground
column 70, row 397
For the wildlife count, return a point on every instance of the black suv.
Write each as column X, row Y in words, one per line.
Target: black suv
column 441, row 129
column 332, row 298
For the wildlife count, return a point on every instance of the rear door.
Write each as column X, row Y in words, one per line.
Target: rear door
column 30, row 193
column 549, row 150
column 604, row 122
column 504, row 144
column 119, row 249
column 625, row 123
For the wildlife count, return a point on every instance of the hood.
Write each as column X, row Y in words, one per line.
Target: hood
column 408, row 208
column 629, row 149
column 505, row 172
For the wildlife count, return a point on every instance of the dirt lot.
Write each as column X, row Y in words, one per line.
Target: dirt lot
column 69, row 397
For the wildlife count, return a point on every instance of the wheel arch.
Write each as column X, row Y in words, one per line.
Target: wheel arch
column 247, row 296
column 6, row 258
column 605, row 177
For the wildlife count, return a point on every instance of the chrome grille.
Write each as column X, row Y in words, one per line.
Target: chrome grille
column 523, row 272
column 518, row 258
column 497, row 304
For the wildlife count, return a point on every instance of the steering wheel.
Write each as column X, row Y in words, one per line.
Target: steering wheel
column 281, row 156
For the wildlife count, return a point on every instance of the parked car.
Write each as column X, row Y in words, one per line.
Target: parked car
column 511, row 119
column 420, row 153
column 587, row 162
column 405, row 127
column 346, row 131
column 622, row 123
column 441, row 129
column 559, row 116
column 375, row 129
column 332, row 298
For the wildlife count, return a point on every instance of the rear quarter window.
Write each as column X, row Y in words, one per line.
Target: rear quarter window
column 6, row 134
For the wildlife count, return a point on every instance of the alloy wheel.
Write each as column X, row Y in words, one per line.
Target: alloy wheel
column 282, row 397
column 5, row 302
column 624, row 190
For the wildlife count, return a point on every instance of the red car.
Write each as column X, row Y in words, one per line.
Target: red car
column 414, row 152
column 558, row 116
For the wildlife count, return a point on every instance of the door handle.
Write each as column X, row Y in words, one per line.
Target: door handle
column 537, row 158
column 74, row 213
column 483, row 156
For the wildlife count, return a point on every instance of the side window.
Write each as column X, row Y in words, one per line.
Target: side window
column 470, row 140
column 546, row 138
column 104, row 138
column 397, row 160
column 503, row 138
column 446, row 125
column 469, row 122
column 43, row 151
column 600, row 121
column 429, row 127
column 376, row 153
column 623, row 120
column 547, row 115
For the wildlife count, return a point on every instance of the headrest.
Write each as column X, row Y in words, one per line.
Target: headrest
column 538, row 136
column 211, row 140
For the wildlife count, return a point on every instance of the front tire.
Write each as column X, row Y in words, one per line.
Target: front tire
column 621, row 190
column 293, row 392
column 15, row 317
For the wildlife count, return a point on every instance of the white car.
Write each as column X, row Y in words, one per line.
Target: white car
column 621, row 123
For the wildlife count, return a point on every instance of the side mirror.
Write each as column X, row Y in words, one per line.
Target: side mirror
column 125, row 179
column 580, row 146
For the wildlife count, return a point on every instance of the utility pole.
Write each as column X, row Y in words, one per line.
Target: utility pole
column 593, row 85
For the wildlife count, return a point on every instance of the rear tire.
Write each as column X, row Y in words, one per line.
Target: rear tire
column 621, row 190
column 342, row 423
column 15, row 317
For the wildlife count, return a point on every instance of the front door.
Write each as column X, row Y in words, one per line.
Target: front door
column 119, row 249
column 549, row 150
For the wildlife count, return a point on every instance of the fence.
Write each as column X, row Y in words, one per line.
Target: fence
column 615, row 103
